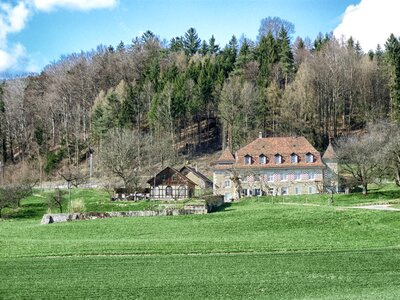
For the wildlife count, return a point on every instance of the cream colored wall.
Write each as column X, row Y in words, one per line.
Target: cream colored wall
column 199, row 183
column 303, row 185
column 332, row 173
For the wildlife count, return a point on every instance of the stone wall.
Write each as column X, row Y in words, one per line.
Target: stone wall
column 190, row 210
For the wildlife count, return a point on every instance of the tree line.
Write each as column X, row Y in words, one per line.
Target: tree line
column 190, row 95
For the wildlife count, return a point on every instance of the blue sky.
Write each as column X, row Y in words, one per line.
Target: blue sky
column 40, row 31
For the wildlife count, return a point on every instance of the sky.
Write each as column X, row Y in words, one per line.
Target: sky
column 34, row 33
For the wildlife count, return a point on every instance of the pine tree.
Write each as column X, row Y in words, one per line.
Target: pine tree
column 213, row 47
column 285, row 55
column 393, row 59
column 191, row 42
column 267, row 55
column 204, row 48
column 176, row 44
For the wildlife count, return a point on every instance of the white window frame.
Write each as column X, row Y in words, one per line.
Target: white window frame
column 278, row 159
column 284, row 176
column 311, row 176
column 297, row 190
column 247, row 160
column 262, row 159
column 294, row 158
column 227, row 183
column 309, row 158
column 270, row 177
column 312, row 190
column 297, row 175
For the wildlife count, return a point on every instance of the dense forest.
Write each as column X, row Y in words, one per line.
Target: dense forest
column 190, row 96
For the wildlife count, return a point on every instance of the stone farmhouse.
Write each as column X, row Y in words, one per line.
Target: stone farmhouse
column 275, row 166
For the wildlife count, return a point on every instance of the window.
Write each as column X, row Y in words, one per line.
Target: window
column 168, row 191
column 257, row 192
column 294, row 158
column 174, row 177
column 284, row 176
column 311, row 190
column 227, row 183
column 311, row 176
column 247, row 160
column 297, row 176
column 309, row 158
column 278, row 159
column 297, row 190
column 284, row 190
column 270, row 177
column 262, row 159
column 244, row 192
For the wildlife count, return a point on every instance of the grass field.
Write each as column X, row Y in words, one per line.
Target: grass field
column 249, row 250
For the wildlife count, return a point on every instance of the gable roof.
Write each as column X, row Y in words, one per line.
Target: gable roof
column 330, row 153
column 284, row 146
column 226, row 156
column 169, row 170
column 197, row 173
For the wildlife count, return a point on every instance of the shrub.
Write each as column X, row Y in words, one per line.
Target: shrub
column 77, row 206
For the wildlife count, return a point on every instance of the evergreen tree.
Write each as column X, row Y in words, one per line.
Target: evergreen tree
column 191, row 42
column 267, row 55
column 204, row 48
column 285, row 55
column 393, row 59
column 245, row 54
column 213, row 47
column 176, row 44
column 121, row 47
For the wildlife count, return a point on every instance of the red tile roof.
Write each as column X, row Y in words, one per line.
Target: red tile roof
column 329, row 153
column 269, row 147
column 226, row 156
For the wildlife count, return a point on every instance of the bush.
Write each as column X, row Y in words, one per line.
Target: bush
column 77, row 206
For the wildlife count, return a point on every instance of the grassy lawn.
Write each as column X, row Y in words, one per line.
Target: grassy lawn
column 95, row 200
column 249, row 250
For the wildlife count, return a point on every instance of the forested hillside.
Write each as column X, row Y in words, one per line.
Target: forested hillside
column 192, row 95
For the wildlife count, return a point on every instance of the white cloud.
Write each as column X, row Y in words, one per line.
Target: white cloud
column 370, row 22
column 9, row 58
column 13, row 19
column 47, row 5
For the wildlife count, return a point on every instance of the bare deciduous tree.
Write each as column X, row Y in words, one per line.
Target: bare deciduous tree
column 124, row 154
column 361, row 157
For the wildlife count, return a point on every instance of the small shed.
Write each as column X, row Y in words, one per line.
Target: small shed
column 171, row 184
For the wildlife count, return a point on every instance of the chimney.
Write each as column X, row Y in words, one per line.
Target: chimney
column 260, row 135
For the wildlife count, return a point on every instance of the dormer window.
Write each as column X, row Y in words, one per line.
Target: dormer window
column 309, row 158
column 262, row 159
column 294, row 159
column 247, row 159
column 278, row 159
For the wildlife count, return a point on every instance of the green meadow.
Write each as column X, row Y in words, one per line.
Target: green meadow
column 252, row 249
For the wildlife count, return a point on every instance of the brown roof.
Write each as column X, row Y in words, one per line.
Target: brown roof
column 169, row 171
column 329, row 153
column 195, row 172
column 226, row 156
column 284, row 146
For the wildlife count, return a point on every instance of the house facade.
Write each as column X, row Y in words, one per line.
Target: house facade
column 170, row 184
column 272, row 166
column 173, row 184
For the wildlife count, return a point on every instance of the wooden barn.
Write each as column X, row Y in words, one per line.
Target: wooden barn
column 171, row 184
